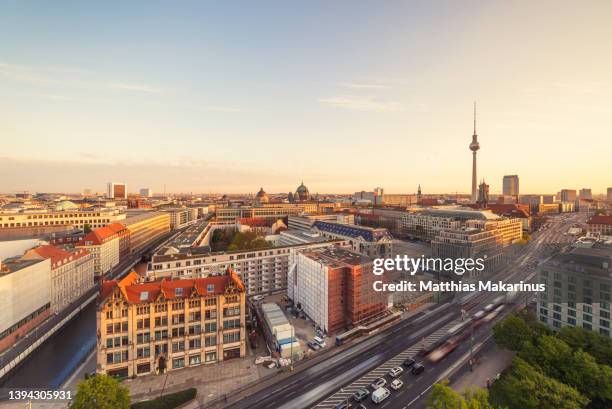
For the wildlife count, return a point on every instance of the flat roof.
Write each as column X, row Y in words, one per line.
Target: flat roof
column 337, row 257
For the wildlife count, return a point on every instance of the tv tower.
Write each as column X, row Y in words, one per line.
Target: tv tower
column 474, row 146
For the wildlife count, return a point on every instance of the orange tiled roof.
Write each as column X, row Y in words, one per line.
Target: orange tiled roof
column 58, row 255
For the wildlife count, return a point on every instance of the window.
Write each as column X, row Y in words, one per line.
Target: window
column 195, row 329
column 178, row 346
column 143, row 352
column 210, row 340
column 231, row 337
column 210, row 288
column 178, row 319
column 159, row 335
column 161, row 321
column 178, row 332
column 178, row 363
column 210, row 327
column 210, row 314
column 178, row 292
column 194, row 359
column 195, row 343
column 230, row 324
column 210, row 357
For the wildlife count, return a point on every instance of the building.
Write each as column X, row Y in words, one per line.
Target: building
column 64, row 217
column 568, row 195
column 72, row 273
column 510, row 229
column 116, row 190
column 123, row 234
column 261, row 197
column 146, row 228
column 306, row 222
column 470, row 243
column 600, row 224
column 609, row 196
column 146, row 192
column 376, row 197
column 585, row 193
column 104, row 244
column 511, row 185
column 427, row 223
column 301, row 193
column 262, row 271
column 182, row 217
column 474, row 147
column 278, row 331
column 153, row 327
column 25, row 286
column 548, row 208
column 578, row 289
column 334, row 286
column 374, row 242
column 518, row 211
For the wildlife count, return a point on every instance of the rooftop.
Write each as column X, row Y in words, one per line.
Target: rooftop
column 351, row 230
column 337, row 257
column 599, row 219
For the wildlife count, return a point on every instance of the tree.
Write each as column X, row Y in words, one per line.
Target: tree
column 444, row 397
column 101, row 392
column 597, row 345
column 523, row 386
column 511, row 333
column 477, row 398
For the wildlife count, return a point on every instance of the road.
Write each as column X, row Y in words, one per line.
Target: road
column 331, row 381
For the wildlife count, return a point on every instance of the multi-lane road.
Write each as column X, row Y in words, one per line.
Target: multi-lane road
column 331, row 381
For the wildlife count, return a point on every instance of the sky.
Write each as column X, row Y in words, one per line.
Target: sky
column 346, row 95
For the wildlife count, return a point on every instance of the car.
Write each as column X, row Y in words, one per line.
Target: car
column 343, row 405
column 360, row 394
column 319, row 341
column 378, row 383
column 395, row 372
column 314, row 346
column 408, row 362
column 417, row 369
column 258, row 297
column 396, row 384
column 380, row 394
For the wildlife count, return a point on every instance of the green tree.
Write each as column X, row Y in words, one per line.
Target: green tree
column 512, row 332
column 477, row 398
column 444, row 397
column 101, row 392
column 596, row 345
column 523, row 386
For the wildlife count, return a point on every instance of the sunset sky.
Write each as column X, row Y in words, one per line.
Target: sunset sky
column 345, row 95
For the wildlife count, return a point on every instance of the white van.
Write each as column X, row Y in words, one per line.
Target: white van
column 319, row 341
column 380, row 395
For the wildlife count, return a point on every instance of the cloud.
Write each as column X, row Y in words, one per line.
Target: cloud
column 362, row 103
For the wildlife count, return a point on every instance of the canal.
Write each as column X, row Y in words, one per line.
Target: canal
column 55, row 360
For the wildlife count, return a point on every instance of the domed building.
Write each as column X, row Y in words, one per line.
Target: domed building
column 261, row 197
column 301, row 193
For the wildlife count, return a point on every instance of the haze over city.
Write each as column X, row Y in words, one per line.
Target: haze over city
column 226, row 98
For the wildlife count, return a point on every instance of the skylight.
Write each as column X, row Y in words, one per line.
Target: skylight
column 178, row 292
column 144, row 295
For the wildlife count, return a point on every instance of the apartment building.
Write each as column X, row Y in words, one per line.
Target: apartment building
column 426, row 226
column 77, row 218
column 600, row 224
column 578, row 289
column 334, row 286
column 72, row 273
column 104, row 244
column 146, row 228
column 511, row 229
column 262, row 271
column 182, row 217
column 166, row 325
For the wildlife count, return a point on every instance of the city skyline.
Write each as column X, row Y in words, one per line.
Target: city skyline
column 211, row 107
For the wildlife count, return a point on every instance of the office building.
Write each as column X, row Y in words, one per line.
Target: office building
column 511, row 185
column 609, row 195
column 104, row 244
column 166, row 325
column 146, row 228
column 585, row 194
column 470, row 243
column 25, row 286
column 116, row 190
column 61, row 216
column 578, row 289
column 146, row 192
column 568, row 195
column 334, row 286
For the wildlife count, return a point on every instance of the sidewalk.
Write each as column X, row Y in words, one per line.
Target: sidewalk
column 491, row 362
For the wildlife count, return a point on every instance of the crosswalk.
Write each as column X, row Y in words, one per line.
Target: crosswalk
column 363, row 382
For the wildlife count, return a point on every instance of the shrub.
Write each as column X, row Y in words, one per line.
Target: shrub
column 169, row 401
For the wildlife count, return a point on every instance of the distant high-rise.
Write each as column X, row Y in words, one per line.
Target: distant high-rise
column 610, row 194
column 585, row 193
column 568, row 195
column 511, row 185
column 146, row 192
column 116, row 190
column 483, row 195
column 474, row 147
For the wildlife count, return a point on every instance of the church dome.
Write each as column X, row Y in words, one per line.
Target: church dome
column 301, row 193
column 262, row 196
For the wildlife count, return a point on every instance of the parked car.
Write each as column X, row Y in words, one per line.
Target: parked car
column 319, row 341
column 408, row 362
column 395, row 372
column 417, row 369
column 380, row 394
column 360, row 394
column 378, row 383
column 314, row 346
column 396, row 384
